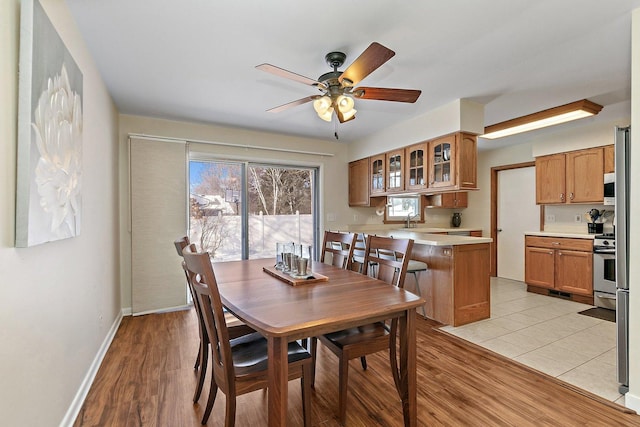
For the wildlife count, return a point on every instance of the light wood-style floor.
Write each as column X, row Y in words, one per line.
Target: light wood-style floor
column 147, row 379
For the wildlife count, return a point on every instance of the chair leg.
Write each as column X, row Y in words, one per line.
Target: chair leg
column 343, row 379
column 197, row 364
column 305, row 383
column 363, row 362
column 415, row 275
column 230, row 413
column 313, row 350
column 213, row 391
column 202, row 373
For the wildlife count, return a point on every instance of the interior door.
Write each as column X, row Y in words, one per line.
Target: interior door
column 517, row 214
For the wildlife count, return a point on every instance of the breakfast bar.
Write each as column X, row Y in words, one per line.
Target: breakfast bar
column 457, row 284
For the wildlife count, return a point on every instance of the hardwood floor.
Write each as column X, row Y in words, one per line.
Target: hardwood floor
column 147, row 379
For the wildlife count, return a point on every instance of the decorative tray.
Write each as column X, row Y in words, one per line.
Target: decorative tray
column 295, row 280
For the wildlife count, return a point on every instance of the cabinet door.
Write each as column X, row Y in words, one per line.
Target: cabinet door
column 539, row 266
column 416, row 167
column 394, row 170
column 585, row 182
column 377, row 175
column 467, row 161
column 550, row 179
column 442, row 167
column 359, row 182
column 574, row 272
column 609, row 159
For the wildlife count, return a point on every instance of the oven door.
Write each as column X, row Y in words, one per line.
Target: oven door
column 604, row 272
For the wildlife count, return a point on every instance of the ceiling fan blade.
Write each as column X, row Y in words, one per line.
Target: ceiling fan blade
column 281, row 72
column 368, row 61
column 386, row 94
column 292, row 104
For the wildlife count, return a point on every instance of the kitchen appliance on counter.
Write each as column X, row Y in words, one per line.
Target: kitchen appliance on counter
column 622, row 163
column 604, row 271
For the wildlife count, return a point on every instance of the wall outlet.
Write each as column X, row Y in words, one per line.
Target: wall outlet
column 549, row 218
column 577, row 218
column 355, row 218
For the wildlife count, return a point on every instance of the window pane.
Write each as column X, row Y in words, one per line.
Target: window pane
column 215, row 209
column 280, row 208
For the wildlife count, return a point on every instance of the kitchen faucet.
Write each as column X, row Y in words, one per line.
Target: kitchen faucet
column 409, row 218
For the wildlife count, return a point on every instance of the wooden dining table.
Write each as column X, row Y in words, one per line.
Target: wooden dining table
column 284, row 313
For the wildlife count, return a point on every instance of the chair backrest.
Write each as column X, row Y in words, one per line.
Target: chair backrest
column 391, row 256
column 203, row 280
column 340, row 246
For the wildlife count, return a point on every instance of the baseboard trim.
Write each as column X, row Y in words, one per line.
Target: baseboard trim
column 81, row 395
column 632, row 401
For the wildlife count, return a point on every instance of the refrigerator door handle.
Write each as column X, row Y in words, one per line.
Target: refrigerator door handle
column 622, row 321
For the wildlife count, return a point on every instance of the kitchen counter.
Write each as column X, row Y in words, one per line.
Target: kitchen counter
column 427, row 238
column 560, row 234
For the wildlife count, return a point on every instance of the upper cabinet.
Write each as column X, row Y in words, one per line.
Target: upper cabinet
column 359, row 183
column 573, row 177
column 416, row 167
column 452, row 162
column 609, row 159
column 395, row 170
column 445, row 164
column 377, row 176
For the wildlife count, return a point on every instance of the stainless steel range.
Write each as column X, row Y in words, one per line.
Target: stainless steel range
column 604, row 271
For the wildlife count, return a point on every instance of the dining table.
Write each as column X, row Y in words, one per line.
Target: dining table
column 283, row 313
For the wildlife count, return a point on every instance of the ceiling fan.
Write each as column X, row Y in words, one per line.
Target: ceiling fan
column 337, row 87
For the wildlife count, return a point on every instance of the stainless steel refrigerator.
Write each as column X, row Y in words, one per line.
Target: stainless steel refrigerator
column 622, row 162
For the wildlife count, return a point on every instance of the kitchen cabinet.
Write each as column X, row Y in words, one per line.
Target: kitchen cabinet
column 416, row 167
column 609, row 159
column 394, row 170
column 560, row 266
column 359, row 182
column 572, row 177
column 452, row 162
column 446, row 200
column 377, row 175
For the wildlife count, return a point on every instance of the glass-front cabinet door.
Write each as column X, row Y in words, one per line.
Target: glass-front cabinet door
column 416, row 167
column 395, row 179
column 377, row 174
column 442, row 162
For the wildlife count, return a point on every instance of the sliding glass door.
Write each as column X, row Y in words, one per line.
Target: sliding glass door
column 281, row 206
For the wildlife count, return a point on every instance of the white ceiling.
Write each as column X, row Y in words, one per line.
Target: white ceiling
column 194, row 60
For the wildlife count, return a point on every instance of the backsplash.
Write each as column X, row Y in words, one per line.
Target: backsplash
column 563, row 218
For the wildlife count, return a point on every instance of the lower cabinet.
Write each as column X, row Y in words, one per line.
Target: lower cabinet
column 563, row 265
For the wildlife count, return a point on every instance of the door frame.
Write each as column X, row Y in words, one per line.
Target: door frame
column 494, row 210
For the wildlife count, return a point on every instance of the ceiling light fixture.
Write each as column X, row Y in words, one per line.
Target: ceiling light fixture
column 552, row 116
column 326, row 105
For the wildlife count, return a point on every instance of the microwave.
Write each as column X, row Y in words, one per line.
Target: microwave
column 609, row 189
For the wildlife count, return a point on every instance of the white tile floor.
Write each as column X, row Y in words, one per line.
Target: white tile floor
column 549, row 335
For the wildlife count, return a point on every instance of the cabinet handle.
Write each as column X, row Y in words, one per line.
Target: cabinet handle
column 550, row 252
column 571, row 196
column 555, row 243
column 559, row 253
column 562, row 197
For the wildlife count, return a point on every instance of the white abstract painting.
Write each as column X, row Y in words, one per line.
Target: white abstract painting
column 49, row 181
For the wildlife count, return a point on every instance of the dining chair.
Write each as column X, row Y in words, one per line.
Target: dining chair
column 235, row 326
column 359, row 341
column 239, row 364
column 339, row 247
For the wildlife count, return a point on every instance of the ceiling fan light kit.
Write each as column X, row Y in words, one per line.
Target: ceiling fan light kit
column 337, row 87
column 552, row 116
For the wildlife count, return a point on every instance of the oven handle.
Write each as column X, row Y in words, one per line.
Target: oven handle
column 604, row 296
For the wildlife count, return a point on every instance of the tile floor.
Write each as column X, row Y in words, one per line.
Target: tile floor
column 549, row 335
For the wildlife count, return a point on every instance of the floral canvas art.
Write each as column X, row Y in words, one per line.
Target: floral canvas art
column 49, row 182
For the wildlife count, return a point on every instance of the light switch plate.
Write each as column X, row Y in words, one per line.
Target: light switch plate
column 577, row 218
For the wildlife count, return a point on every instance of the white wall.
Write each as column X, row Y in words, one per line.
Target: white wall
column 58, row 301
column 333, row 169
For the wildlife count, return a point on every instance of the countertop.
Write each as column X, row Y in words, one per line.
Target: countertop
column 560, row 234
column 425, row 238
column 438, row 229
